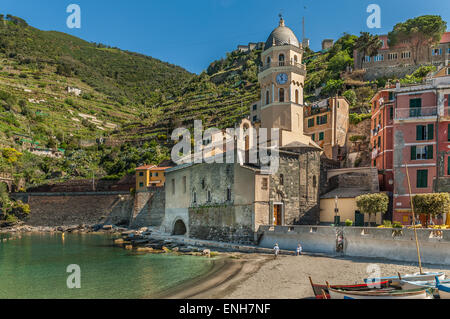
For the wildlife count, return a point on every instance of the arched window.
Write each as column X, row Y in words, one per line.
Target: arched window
column 295, row 59
column 268, row 60
column 281, row 59
column 281, row 95
column 267, row 97
column 208, row 196
column 296, row 97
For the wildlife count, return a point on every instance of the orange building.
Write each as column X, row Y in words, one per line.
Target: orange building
column 150, row 176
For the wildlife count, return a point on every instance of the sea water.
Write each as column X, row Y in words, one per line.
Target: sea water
column 35, row 266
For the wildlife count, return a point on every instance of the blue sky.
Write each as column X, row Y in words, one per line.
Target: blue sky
column 194, row 33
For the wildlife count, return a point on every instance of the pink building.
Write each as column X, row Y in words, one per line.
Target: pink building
column 421, row 140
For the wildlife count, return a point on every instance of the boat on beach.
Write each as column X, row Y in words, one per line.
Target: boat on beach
column 443, row 288
column 321, row 291
column 374, row 294
column 415, row 278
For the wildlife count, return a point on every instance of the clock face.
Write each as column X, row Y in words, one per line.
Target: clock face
column 282, row 78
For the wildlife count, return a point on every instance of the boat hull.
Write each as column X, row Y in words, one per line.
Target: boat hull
column 412, row 294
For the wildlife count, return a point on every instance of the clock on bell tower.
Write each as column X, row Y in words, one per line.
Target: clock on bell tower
column 281, row 79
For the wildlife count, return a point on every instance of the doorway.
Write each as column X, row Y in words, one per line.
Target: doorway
column 277, row 214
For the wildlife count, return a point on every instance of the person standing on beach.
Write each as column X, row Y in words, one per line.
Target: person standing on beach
column 299, row 249
column 276, row 249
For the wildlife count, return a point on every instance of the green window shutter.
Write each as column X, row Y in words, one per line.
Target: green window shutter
column 325, row 119
column 391, row 113
column 313, row 137
column 415, row 103
column 321, row 136
column 448, row 165
column 413, row 153
column 419, row 133
column 448, row 132
column 318, row 120
column 430, row 134
column 422, row 178
column 430, row 152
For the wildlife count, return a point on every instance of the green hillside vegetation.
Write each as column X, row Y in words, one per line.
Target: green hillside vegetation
column 134, row 102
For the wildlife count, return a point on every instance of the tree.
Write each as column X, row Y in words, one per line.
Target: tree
column 368, row 45
column 432, row 204
column 420, row 32
column 373, row 204
column 339, row 62
column 333, row 87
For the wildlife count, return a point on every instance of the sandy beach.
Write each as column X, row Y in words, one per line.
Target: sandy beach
column 258, row 276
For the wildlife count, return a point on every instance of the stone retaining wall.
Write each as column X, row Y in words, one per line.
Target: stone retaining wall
column 362, row 242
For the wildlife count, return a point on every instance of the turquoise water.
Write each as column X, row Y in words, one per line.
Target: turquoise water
column 34, row 266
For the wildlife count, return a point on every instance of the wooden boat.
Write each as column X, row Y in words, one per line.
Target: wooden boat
column 395, row 280
column 432, row 284
column 320, row 290
column 379, row 294
column 443, row 288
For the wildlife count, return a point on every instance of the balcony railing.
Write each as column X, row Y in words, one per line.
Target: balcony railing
column 415, row 113
column 282, row 64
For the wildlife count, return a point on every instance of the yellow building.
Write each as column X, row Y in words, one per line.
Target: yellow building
column 346, row 203
column 150, row 176
column 327, row 123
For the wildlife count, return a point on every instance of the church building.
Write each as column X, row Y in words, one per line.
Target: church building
column 229, row 201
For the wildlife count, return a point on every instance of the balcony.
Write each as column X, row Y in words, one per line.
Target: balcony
column 279, row 64
column 416, row 113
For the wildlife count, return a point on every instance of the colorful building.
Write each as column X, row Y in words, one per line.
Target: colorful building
column 150, row 176
column 420, row 140
column 327, row 123
column 381, row 137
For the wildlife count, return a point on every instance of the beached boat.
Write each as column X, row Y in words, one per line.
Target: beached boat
column 320, row 290
column 380, row 294
column 396, row 280
column 406, row 285
column 444, row 289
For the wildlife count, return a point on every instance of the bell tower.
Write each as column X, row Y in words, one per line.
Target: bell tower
column 281, row 79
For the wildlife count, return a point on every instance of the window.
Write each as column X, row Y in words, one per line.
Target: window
column 415, row 106
column 255, row 107
column 195, row 197
column 295, row 59
column 313, row 137
column 296, row 97
column 267, row 97
column 228, row 194
column 422, row 152
column 281, row 94
column 321, row 136
column 392, row 56
column 173, row 187
column 208, row 196
column 311, row 122
column 391, row 113
column 314, row 181
column 425, row 132
column 281, row 179
column 156, row 174
column 435, row 52
column 367, row 58
column 255, row 118
column 448, row 71
column 141, row 173
column 391, row 96
column 448, row 132
column 378, row 58
column 322, row 120
column 265, row 183
column 379, row 141
column 422, row 178
column 268, row 60
column 184, row 185
column 281, row 59
column 141, row 184
column 448, row 165
column 406, row 55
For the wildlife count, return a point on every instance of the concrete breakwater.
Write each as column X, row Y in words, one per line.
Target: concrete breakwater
column 393, row 244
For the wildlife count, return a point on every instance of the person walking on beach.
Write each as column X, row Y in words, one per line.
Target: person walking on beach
column 276, row 250
column 299, row 249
